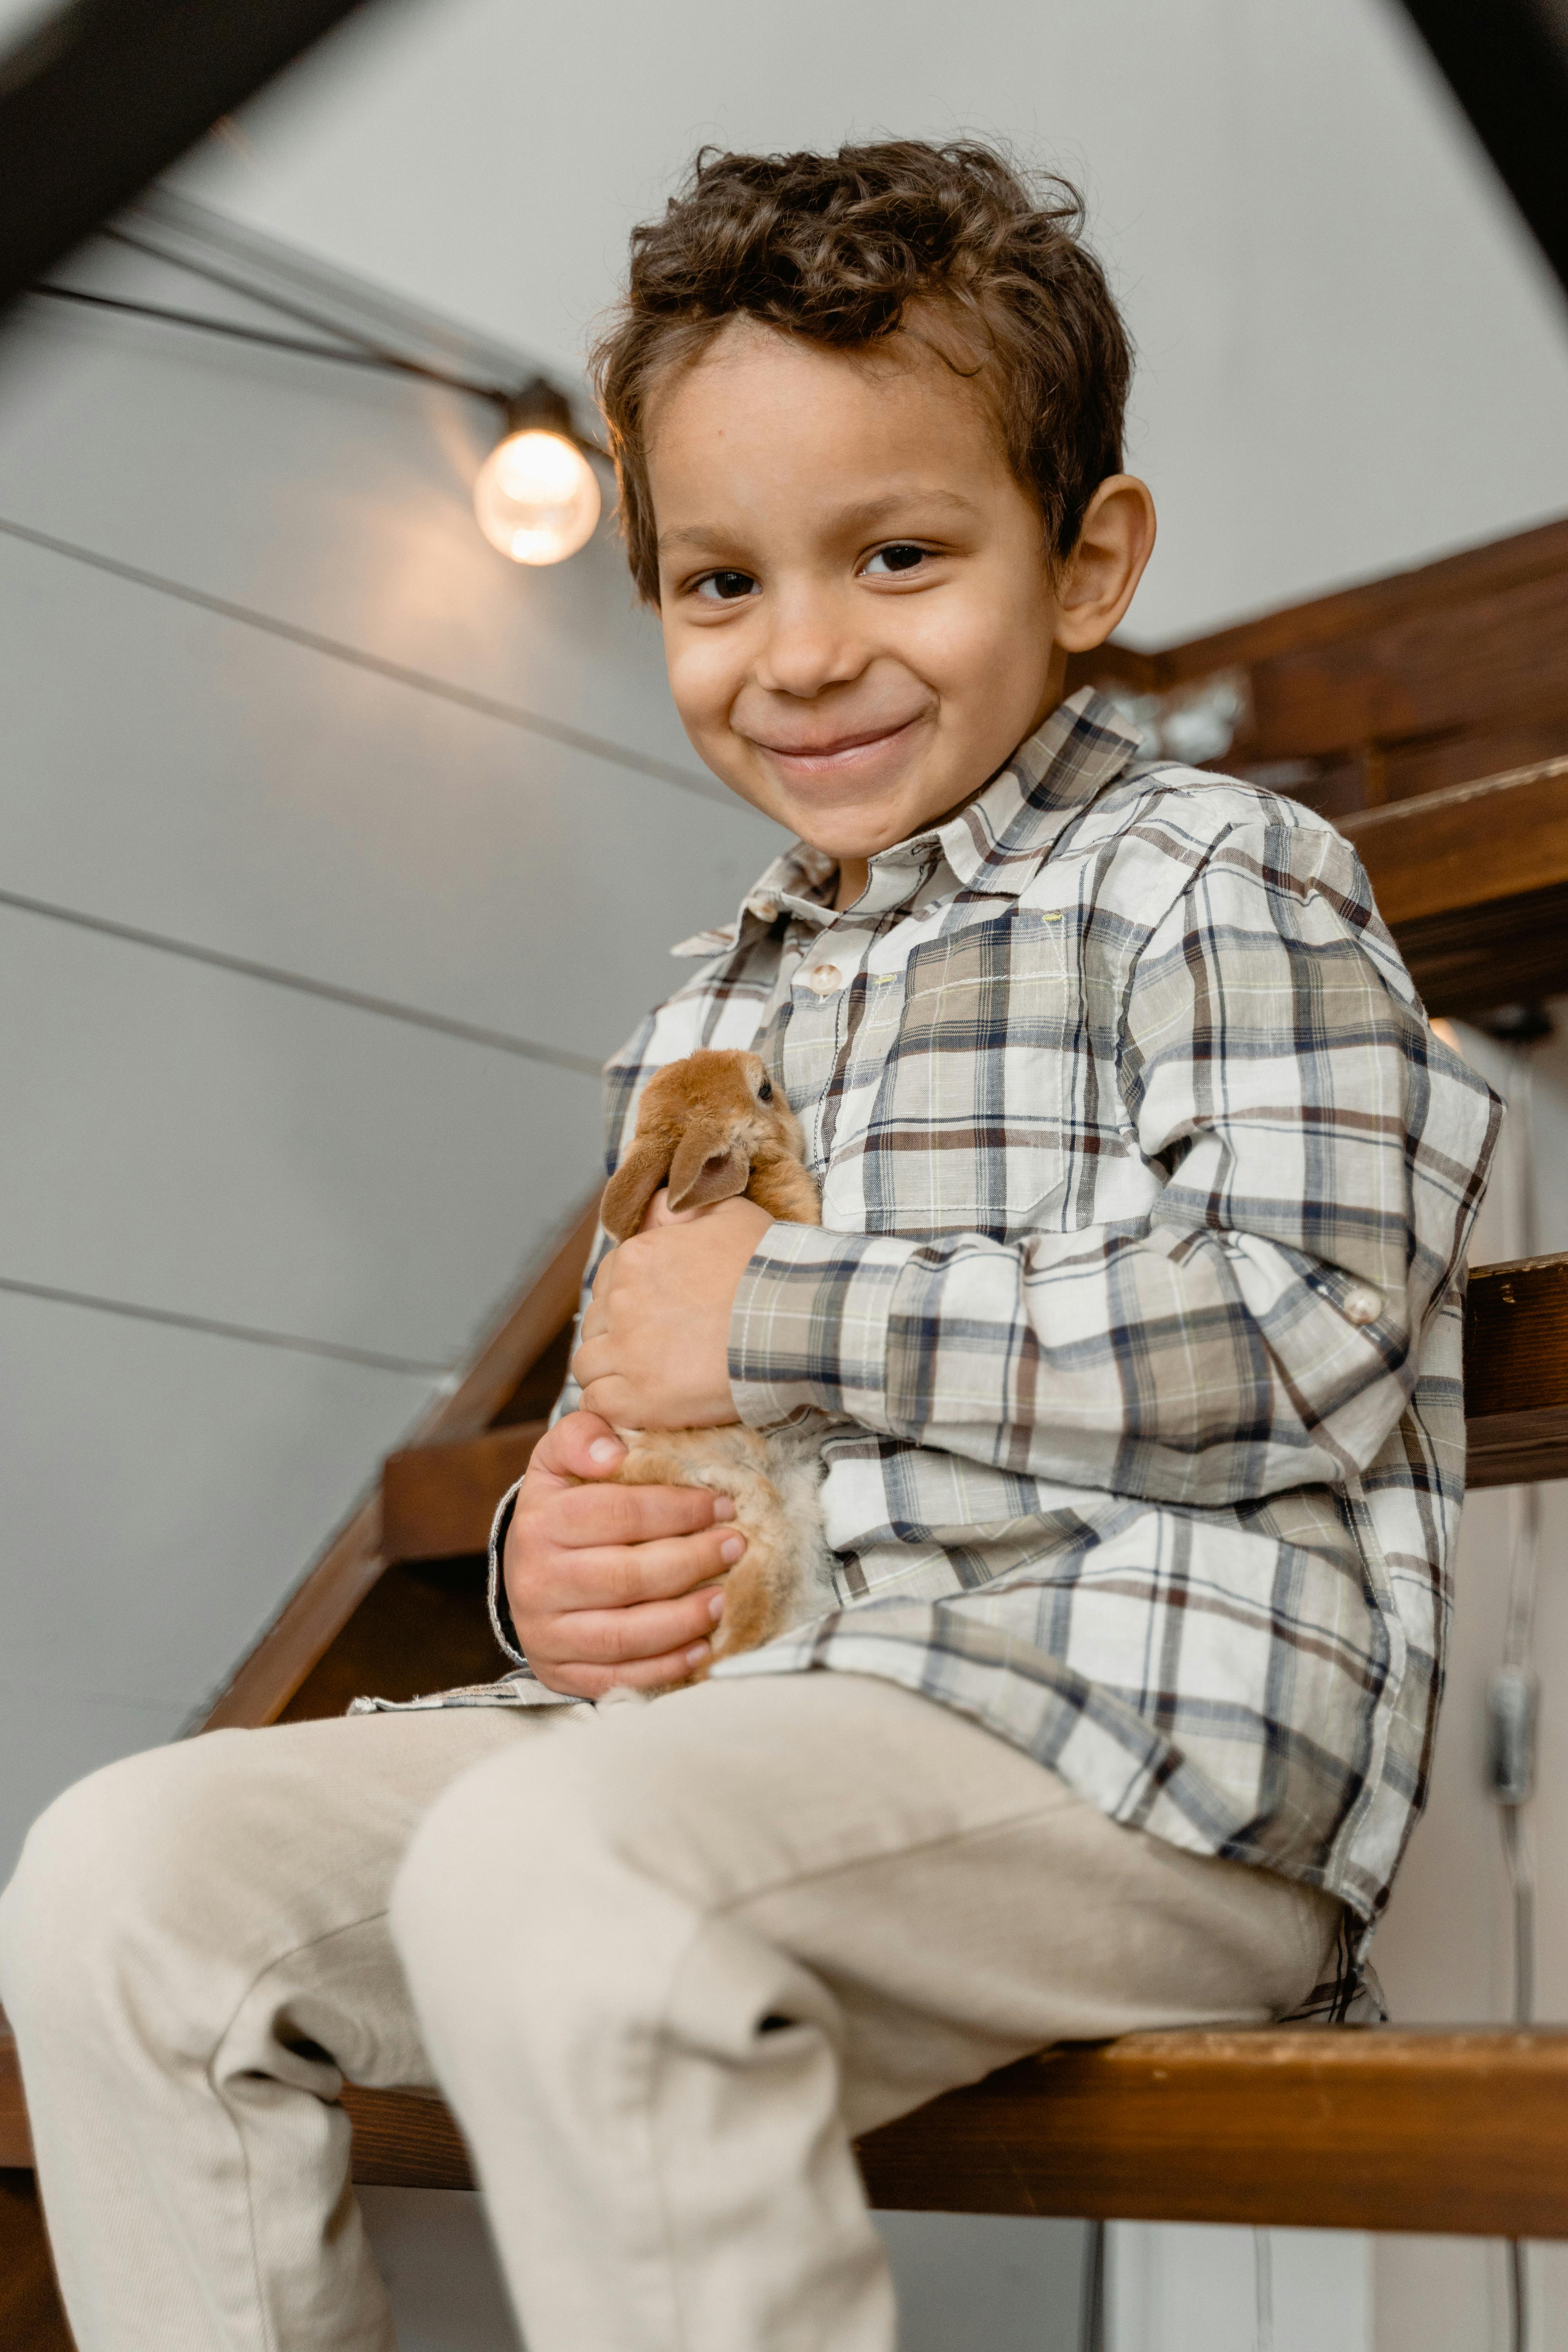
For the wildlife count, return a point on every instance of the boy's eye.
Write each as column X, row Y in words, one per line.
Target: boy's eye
column 725, row 587
column 902, row 556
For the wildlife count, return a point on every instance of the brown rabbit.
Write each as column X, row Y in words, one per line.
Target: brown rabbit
column 713, row 1128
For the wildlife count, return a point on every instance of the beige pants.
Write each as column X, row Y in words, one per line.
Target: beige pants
column 662, row 1959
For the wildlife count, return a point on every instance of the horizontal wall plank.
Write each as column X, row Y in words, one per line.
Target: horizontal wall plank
column 196, row 1141
column 163, row 1492
column 251, row 796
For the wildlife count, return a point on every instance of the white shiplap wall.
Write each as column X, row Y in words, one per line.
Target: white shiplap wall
column 269, row 699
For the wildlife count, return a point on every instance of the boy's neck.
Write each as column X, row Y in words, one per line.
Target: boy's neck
column 854, row 872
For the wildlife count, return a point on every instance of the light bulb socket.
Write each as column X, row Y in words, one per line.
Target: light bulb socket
column 538, row 408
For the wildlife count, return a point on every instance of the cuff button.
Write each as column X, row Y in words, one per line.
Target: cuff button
column 1362, row 1305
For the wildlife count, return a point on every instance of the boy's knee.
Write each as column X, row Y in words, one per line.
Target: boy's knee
column 529, row 1852
column 117, row 1851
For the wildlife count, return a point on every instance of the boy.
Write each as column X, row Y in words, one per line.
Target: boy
column 1146, row 1188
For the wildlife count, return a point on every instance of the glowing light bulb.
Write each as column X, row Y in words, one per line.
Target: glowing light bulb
column 536, row 498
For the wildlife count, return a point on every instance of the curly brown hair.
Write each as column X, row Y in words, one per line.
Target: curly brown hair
column 841, row 249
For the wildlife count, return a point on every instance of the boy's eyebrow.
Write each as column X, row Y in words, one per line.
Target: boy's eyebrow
column 861, row 515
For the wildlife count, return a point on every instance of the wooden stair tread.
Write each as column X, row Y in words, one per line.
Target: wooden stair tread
column 1462, row 2132
column 437, row 1501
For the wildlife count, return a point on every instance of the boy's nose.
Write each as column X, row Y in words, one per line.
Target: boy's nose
column 807, row 651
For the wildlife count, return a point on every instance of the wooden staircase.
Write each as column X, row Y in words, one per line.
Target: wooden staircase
column 1428, row 715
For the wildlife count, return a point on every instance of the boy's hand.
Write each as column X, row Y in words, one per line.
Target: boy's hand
column 612, row 1584
column 655, row 1346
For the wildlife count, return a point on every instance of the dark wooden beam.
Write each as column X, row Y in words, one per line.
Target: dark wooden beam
column 105, row 94
column 1507, row 64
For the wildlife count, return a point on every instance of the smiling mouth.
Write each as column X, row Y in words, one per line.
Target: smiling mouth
column 842, row 752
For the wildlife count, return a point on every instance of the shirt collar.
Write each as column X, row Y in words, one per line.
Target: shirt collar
column 993, row 845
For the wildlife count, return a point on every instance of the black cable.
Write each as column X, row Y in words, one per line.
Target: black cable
column 285, row 308
column 364, row 357
column 1517, row 2300
column 365, row 352
column 1091, row 2297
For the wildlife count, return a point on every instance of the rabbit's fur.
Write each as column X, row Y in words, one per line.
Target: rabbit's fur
column 712, row 1128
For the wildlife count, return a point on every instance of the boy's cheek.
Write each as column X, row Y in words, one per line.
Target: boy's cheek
column 705, row 675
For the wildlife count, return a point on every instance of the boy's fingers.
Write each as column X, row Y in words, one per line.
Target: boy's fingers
column 596, row 1516
column 648, row 1674
column 629, row 1576
column 581, row 1446
column 616, row 1637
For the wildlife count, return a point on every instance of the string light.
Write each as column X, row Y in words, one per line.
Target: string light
column 536, row 499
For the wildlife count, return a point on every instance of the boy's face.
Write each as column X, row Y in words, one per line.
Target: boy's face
column 860, row 621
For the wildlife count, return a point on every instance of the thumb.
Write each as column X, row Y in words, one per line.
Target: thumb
column 581, row 1446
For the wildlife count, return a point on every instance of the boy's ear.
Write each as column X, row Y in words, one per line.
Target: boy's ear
column 707, row 1166
column 633, row 1186
column 1114, row 544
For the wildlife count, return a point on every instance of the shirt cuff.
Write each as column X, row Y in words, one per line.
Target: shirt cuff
column 810, row 1326
column 502, row 1625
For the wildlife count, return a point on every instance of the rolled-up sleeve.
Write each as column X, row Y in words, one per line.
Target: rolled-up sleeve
column 1321, row 1156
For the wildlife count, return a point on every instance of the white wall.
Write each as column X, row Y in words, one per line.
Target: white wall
column 1351, row 355
column 268, row 697
column 1445, row 1951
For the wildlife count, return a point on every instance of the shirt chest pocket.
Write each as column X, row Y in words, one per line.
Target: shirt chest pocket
column 965, row 1127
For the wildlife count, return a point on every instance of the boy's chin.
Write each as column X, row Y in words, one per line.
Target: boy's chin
column 844, row 824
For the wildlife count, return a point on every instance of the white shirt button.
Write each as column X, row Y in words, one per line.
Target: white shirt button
column 824, row 978
column 1363, row 1305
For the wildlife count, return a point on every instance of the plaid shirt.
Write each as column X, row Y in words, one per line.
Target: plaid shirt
column 1137, row 1297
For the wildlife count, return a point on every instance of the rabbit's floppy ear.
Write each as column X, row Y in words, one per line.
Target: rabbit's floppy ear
column 708, row 1165
column 633, row 1186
